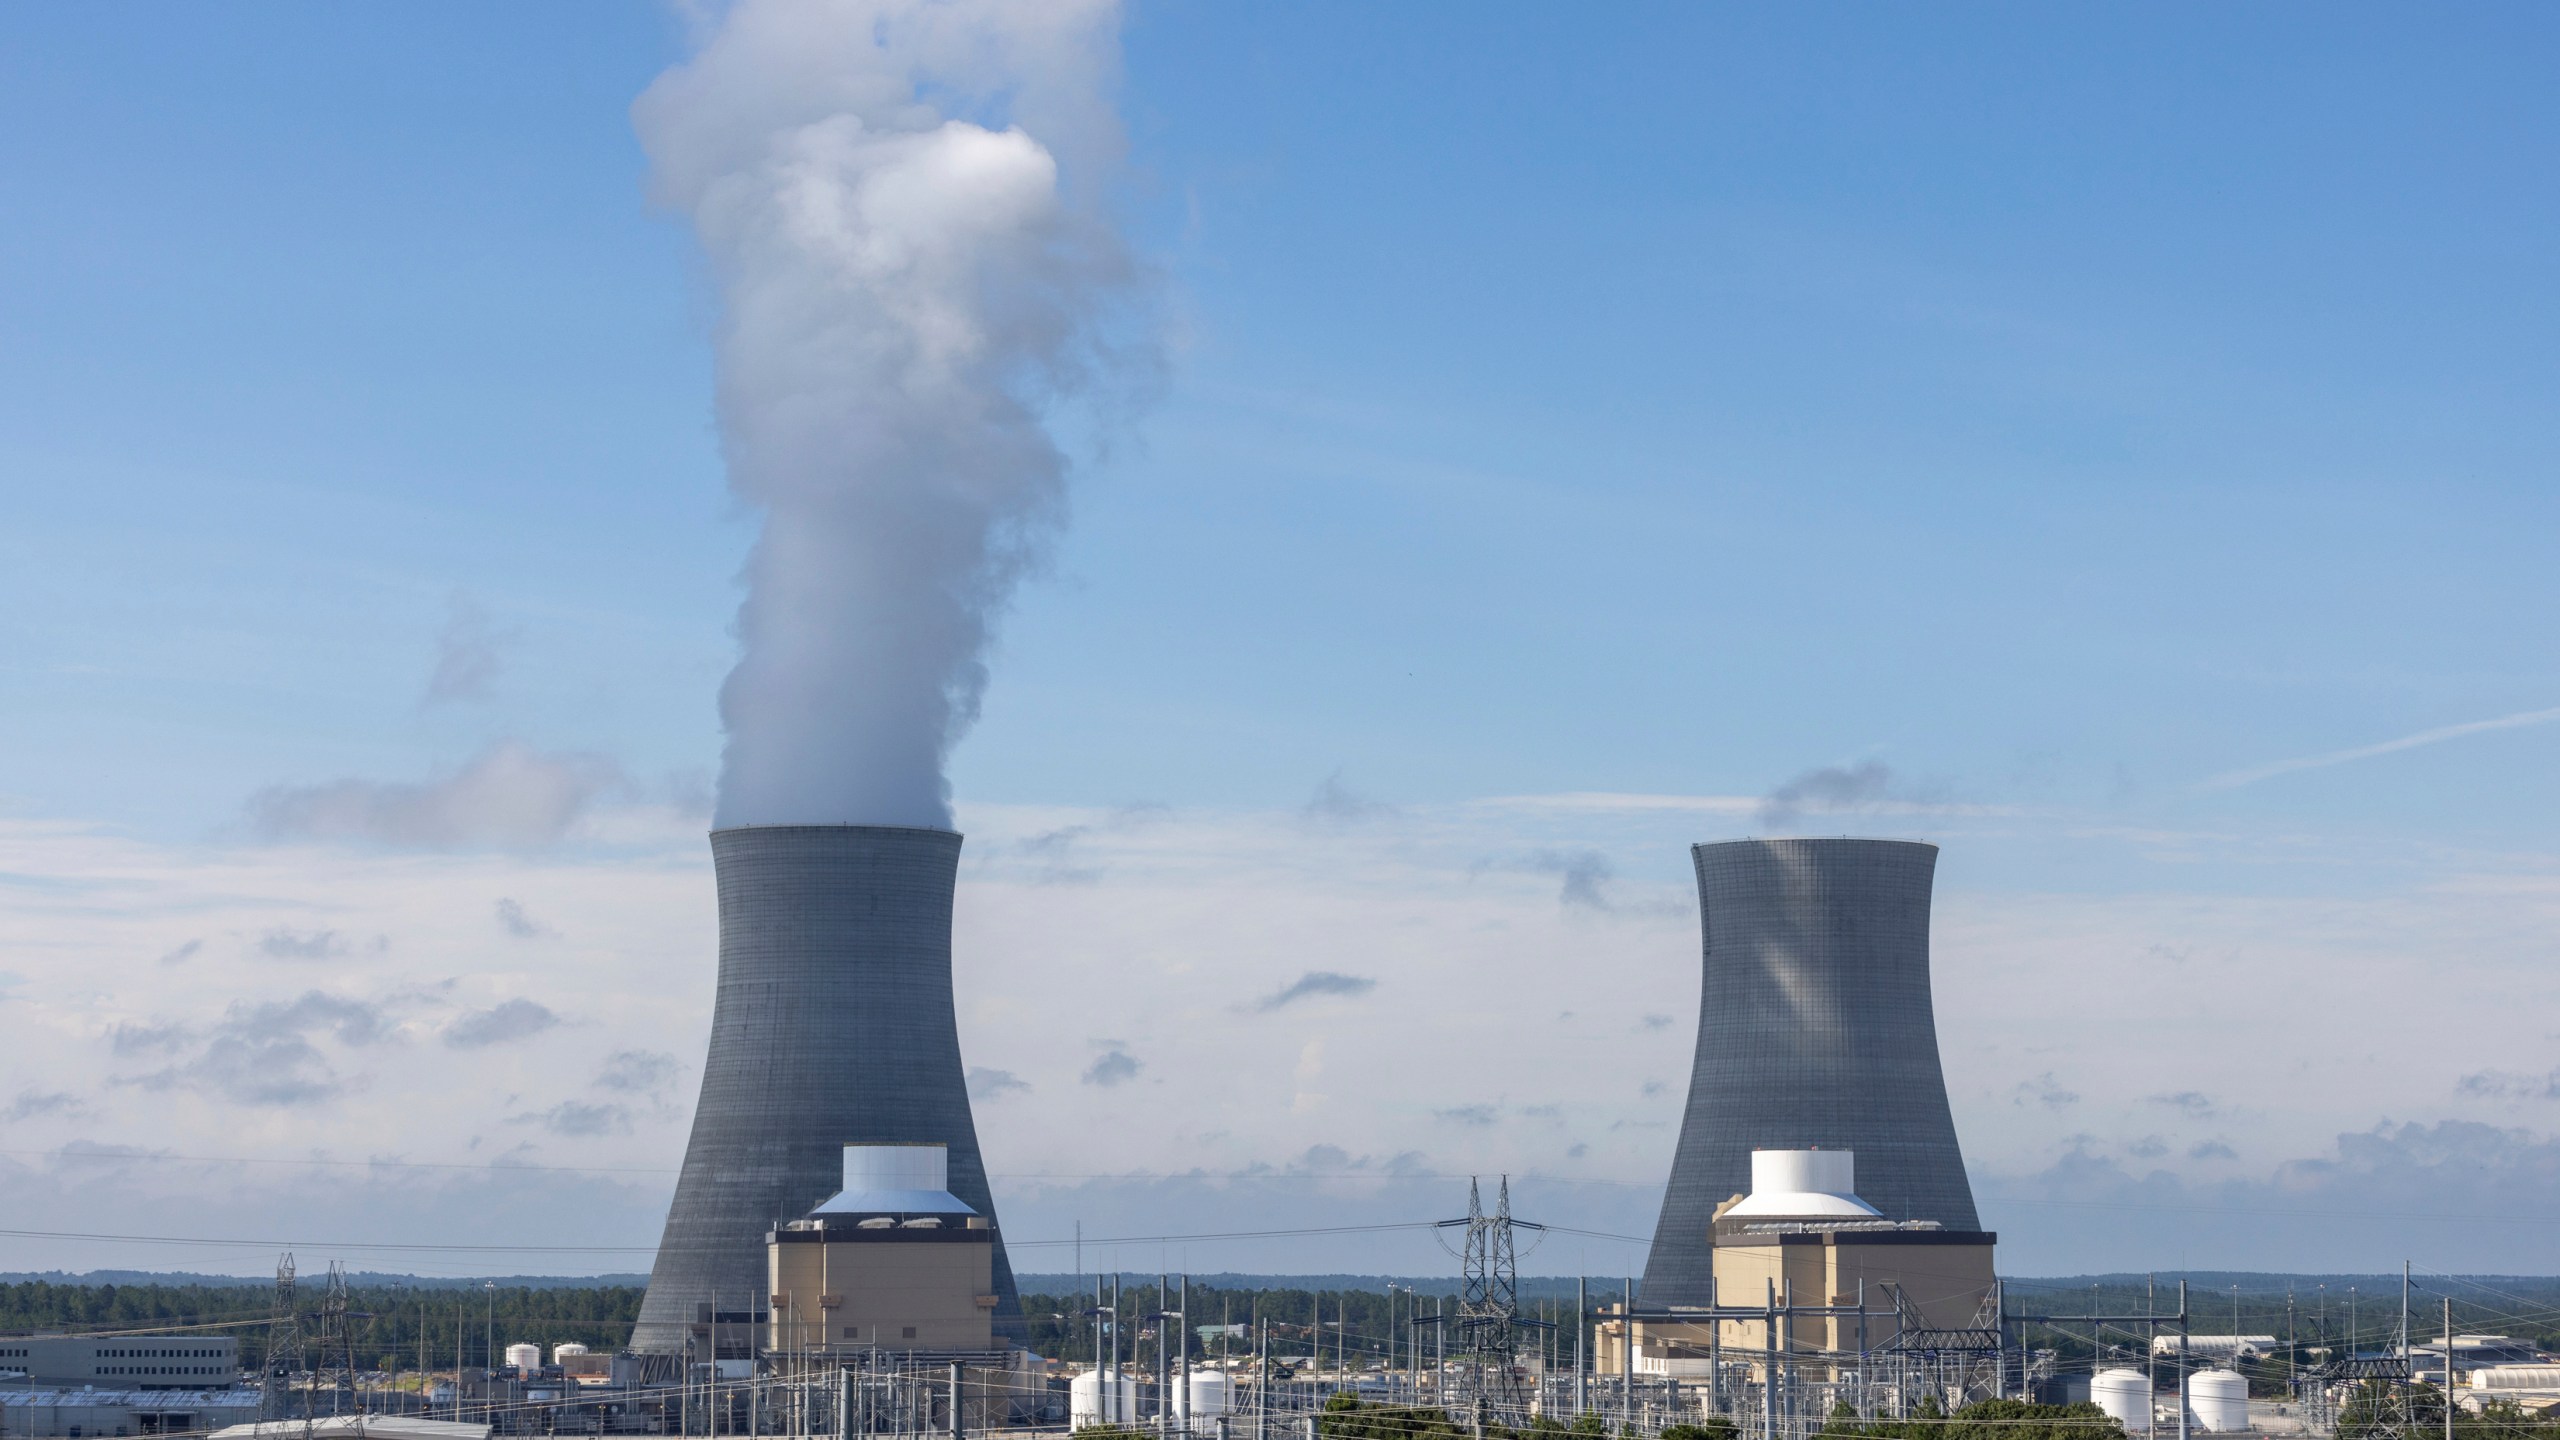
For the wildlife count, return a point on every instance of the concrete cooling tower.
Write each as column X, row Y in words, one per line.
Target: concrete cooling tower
column 833, row 1026
column 1814, row 1030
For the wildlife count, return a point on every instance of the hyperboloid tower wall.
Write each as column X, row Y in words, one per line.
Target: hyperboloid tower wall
column 1814, row 1029
column 833, row 1026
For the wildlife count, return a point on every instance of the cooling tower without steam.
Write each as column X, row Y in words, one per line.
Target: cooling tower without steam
column 1814, row 1030
column 833, row 1026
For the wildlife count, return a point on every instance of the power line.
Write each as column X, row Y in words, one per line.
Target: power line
column 503, row 1167
column 412, row 1247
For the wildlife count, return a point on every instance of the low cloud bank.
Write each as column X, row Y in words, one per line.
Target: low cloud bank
column 510, row 795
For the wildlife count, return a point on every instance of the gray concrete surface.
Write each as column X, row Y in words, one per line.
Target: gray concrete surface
column 833, row 1024
column 1815, row 1028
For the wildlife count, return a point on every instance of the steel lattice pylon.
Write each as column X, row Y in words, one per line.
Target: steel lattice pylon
column 1488, row 1339
column 335, row 1370
column 283, row 1362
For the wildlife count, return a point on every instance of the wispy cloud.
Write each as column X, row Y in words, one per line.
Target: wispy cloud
column 2233, row 779
column 517, row 921
column 2046, row 1091
column 1311, row 985
column 1335, row 803
column 467, row 655
column 987, row 1084
column 508, row 795
column 637, row 1072
column 508, row 1020
column 1585, row 875
column 2186, row 1102
column 1831, row 787
column 578, row 1120
column 283, row 944
column 259, row 1054
column 1114, row 1066
column 43, row 1104
column 2510, row 1085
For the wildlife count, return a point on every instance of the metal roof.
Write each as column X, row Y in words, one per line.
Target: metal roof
column 145, row 1399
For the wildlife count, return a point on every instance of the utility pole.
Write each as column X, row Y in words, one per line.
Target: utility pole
column 1581, row 1341
column 489, row 1351
column 2448, row 1367
column 2183, row 1337
column 1715, row 1346
column 1627, row 1353
column 1769, row 1369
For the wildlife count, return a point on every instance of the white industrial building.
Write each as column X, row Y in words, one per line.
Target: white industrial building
column 2216, row 1347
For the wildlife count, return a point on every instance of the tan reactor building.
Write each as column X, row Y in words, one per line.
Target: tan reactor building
column 893, row 1262
column 1802, row 1238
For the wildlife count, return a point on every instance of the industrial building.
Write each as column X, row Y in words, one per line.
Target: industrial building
column 1803, row 1240
column 833, row 1022
column 80, row 1414
column 120, row 1362
column 1815, row 1029
column 892, row 1261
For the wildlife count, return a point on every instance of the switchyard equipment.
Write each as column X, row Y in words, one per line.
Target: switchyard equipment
column 1815, row 1029
column 833, row 1024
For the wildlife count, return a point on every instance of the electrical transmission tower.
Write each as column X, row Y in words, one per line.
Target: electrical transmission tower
column 1489, row 1308
column 284, row 1345
column 335, row 1370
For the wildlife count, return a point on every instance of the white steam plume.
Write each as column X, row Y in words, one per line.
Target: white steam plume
column 895, row 198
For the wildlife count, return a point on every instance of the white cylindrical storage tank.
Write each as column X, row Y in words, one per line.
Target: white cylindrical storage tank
column 525, row 1357
column 1085, row 1397
column 1209, row 1392
column 2124, row 1394
column 2218, row 1399
column 565, row 1349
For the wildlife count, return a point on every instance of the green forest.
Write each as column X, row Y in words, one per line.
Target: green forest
column 393, row 1327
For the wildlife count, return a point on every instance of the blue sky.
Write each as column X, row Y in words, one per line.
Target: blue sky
column 2028, row 414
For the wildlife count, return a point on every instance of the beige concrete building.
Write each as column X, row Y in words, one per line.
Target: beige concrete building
column 1802, row 1238
column 894, row 1261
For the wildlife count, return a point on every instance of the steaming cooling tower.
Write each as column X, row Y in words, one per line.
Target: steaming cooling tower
column 833, row 1026
column 1814, row 1030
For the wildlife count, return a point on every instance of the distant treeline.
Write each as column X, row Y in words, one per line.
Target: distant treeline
column 391, row 1326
